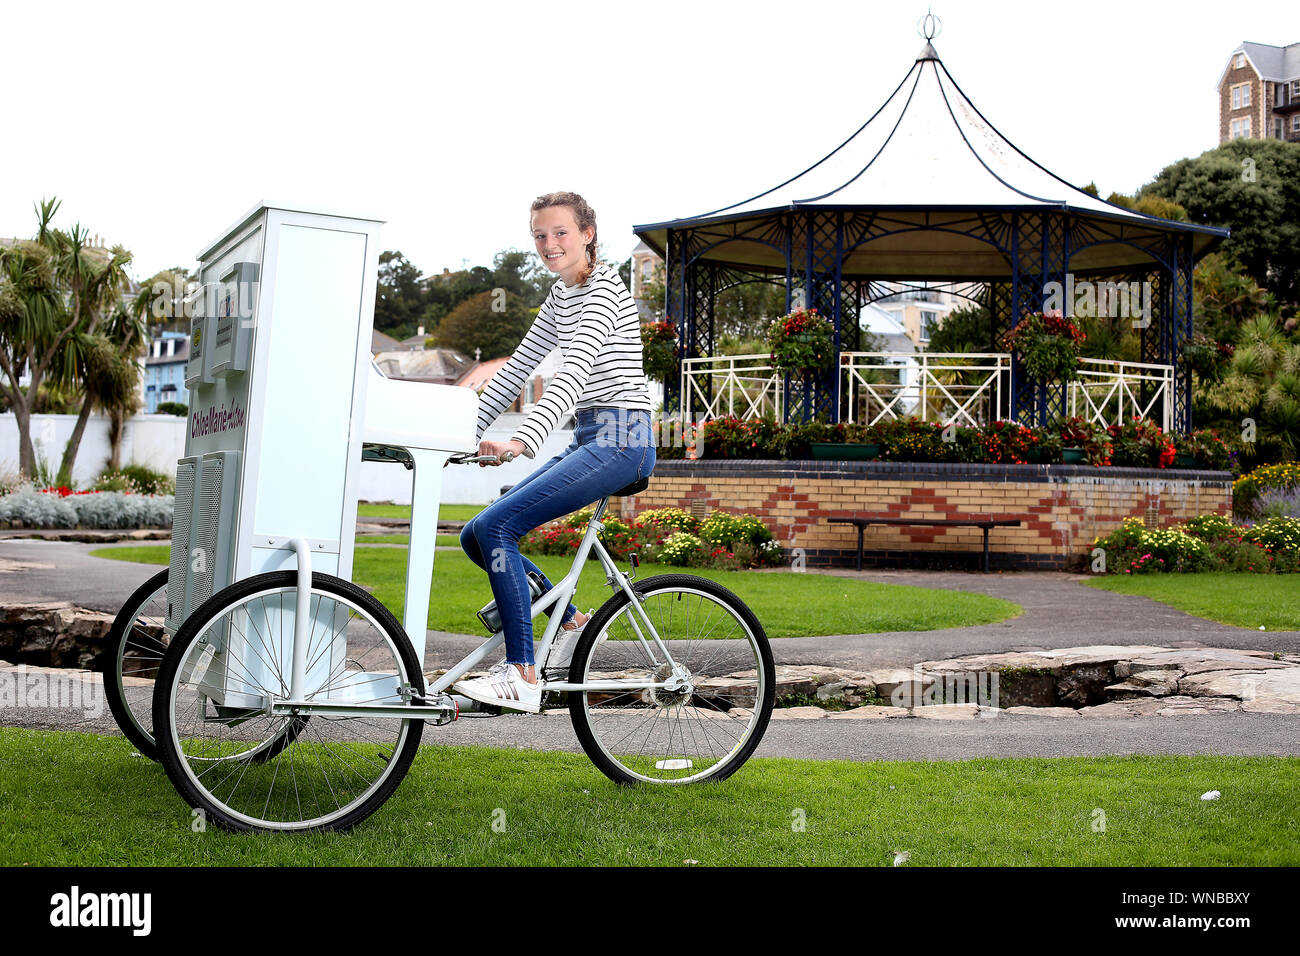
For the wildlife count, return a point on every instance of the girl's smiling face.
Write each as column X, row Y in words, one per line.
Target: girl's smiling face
column 560, row 244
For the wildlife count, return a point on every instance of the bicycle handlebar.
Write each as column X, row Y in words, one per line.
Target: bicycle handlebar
column 469, row 458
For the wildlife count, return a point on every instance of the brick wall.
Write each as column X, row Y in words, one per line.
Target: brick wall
column 1063, row 507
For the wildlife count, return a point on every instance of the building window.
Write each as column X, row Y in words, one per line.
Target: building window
column 929, row 322
column 1295, row 89
column 1278, row 128
column 1241, row 96
column 1241, row 61
column 1240, row 128
column 1295, row 123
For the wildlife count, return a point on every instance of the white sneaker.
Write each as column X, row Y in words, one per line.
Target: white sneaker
column 557, row 662
column 502, row 687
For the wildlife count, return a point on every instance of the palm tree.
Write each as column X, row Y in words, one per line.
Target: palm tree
column 128, row 334
column 34, row 324
column 94, row 279
column 1263, row 383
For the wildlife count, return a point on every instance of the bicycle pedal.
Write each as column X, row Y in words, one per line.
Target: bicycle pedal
column 447, row 708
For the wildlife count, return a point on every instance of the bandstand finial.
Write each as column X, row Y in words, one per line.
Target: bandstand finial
column 929, row 26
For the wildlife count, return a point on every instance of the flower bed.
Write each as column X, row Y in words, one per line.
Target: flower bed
column 671, row 535
column 1138, row 443
column 63, row 508
column 1204, row 543
column 1278, row 482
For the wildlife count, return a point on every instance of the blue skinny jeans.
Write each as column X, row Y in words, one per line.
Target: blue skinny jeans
column 611, row 448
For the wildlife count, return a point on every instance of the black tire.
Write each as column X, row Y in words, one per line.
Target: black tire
column 295, row 753
column 136, row 644
column 690, row 726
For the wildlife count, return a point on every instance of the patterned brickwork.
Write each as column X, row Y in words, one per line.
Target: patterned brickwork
column 1062, row 508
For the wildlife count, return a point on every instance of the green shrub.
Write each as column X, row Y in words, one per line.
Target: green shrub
column 135, row 479
column 682, row 549
column 1246, row 490
column 1210, row 527
column 1076, row 432
column 578, row 519
column 108, row 509
column 1275, row 534
column 722, row 559
column 722, row 529
column 179, row 409
column 1133, row 548
column 675, row 519
column 1140, row 443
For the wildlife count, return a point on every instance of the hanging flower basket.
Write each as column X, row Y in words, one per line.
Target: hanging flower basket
column 802, row 341
column 659, row 350
column 1048, row 346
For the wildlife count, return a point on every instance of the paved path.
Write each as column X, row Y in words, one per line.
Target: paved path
column 1018, row 735
column 1060, row 611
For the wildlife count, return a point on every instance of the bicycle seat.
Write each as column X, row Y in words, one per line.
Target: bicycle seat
column 635, row 488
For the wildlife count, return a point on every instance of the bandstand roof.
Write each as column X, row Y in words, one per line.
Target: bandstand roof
column 927, row 157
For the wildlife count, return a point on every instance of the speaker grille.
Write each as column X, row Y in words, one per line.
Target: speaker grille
column 207, row 527
column 184, row 503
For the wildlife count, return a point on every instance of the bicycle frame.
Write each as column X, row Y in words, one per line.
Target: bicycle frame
column 438, row 704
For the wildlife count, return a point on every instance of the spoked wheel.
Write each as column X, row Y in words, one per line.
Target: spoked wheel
column 136, row 643
column 248, row 769
column 709, row 719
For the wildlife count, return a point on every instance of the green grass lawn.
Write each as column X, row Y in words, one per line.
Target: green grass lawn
column 1243, row 599
column 444, row 540
column 789, row 604
column 445, row 512
column 81, row 799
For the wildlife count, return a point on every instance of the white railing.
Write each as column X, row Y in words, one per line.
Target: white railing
column 1109, row 392
column 747, row 386
column 966, row 388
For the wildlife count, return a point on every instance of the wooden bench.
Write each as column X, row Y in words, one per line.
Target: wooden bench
column 970, row 521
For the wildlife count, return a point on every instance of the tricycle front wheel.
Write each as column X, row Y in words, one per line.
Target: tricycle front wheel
column 248, row 769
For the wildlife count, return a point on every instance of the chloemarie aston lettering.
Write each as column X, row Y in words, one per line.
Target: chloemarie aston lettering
column 215, row 420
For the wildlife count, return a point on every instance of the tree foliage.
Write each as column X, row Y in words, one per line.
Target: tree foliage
column 57, row 292
column 967, row 329
column 406, row 300
column 491, row 321
column 1251, row 186
column 1261, row 388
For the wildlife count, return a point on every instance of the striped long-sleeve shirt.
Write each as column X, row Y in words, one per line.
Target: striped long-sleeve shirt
column 597, row 329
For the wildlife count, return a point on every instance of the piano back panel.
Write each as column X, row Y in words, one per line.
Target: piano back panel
column 286, row 335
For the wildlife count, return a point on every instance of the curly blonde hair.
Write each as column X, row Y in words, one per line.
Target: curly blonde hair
column 582, row 213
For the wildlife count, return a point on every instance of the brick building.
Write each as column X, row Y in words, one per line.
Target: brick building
column 1259, row 93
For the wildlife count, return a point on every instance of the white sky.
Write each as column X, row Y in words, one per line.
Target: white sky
column 158, row 124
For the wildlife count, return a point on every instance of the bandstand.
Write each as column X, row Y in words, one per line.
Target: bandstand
column 928, row 194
